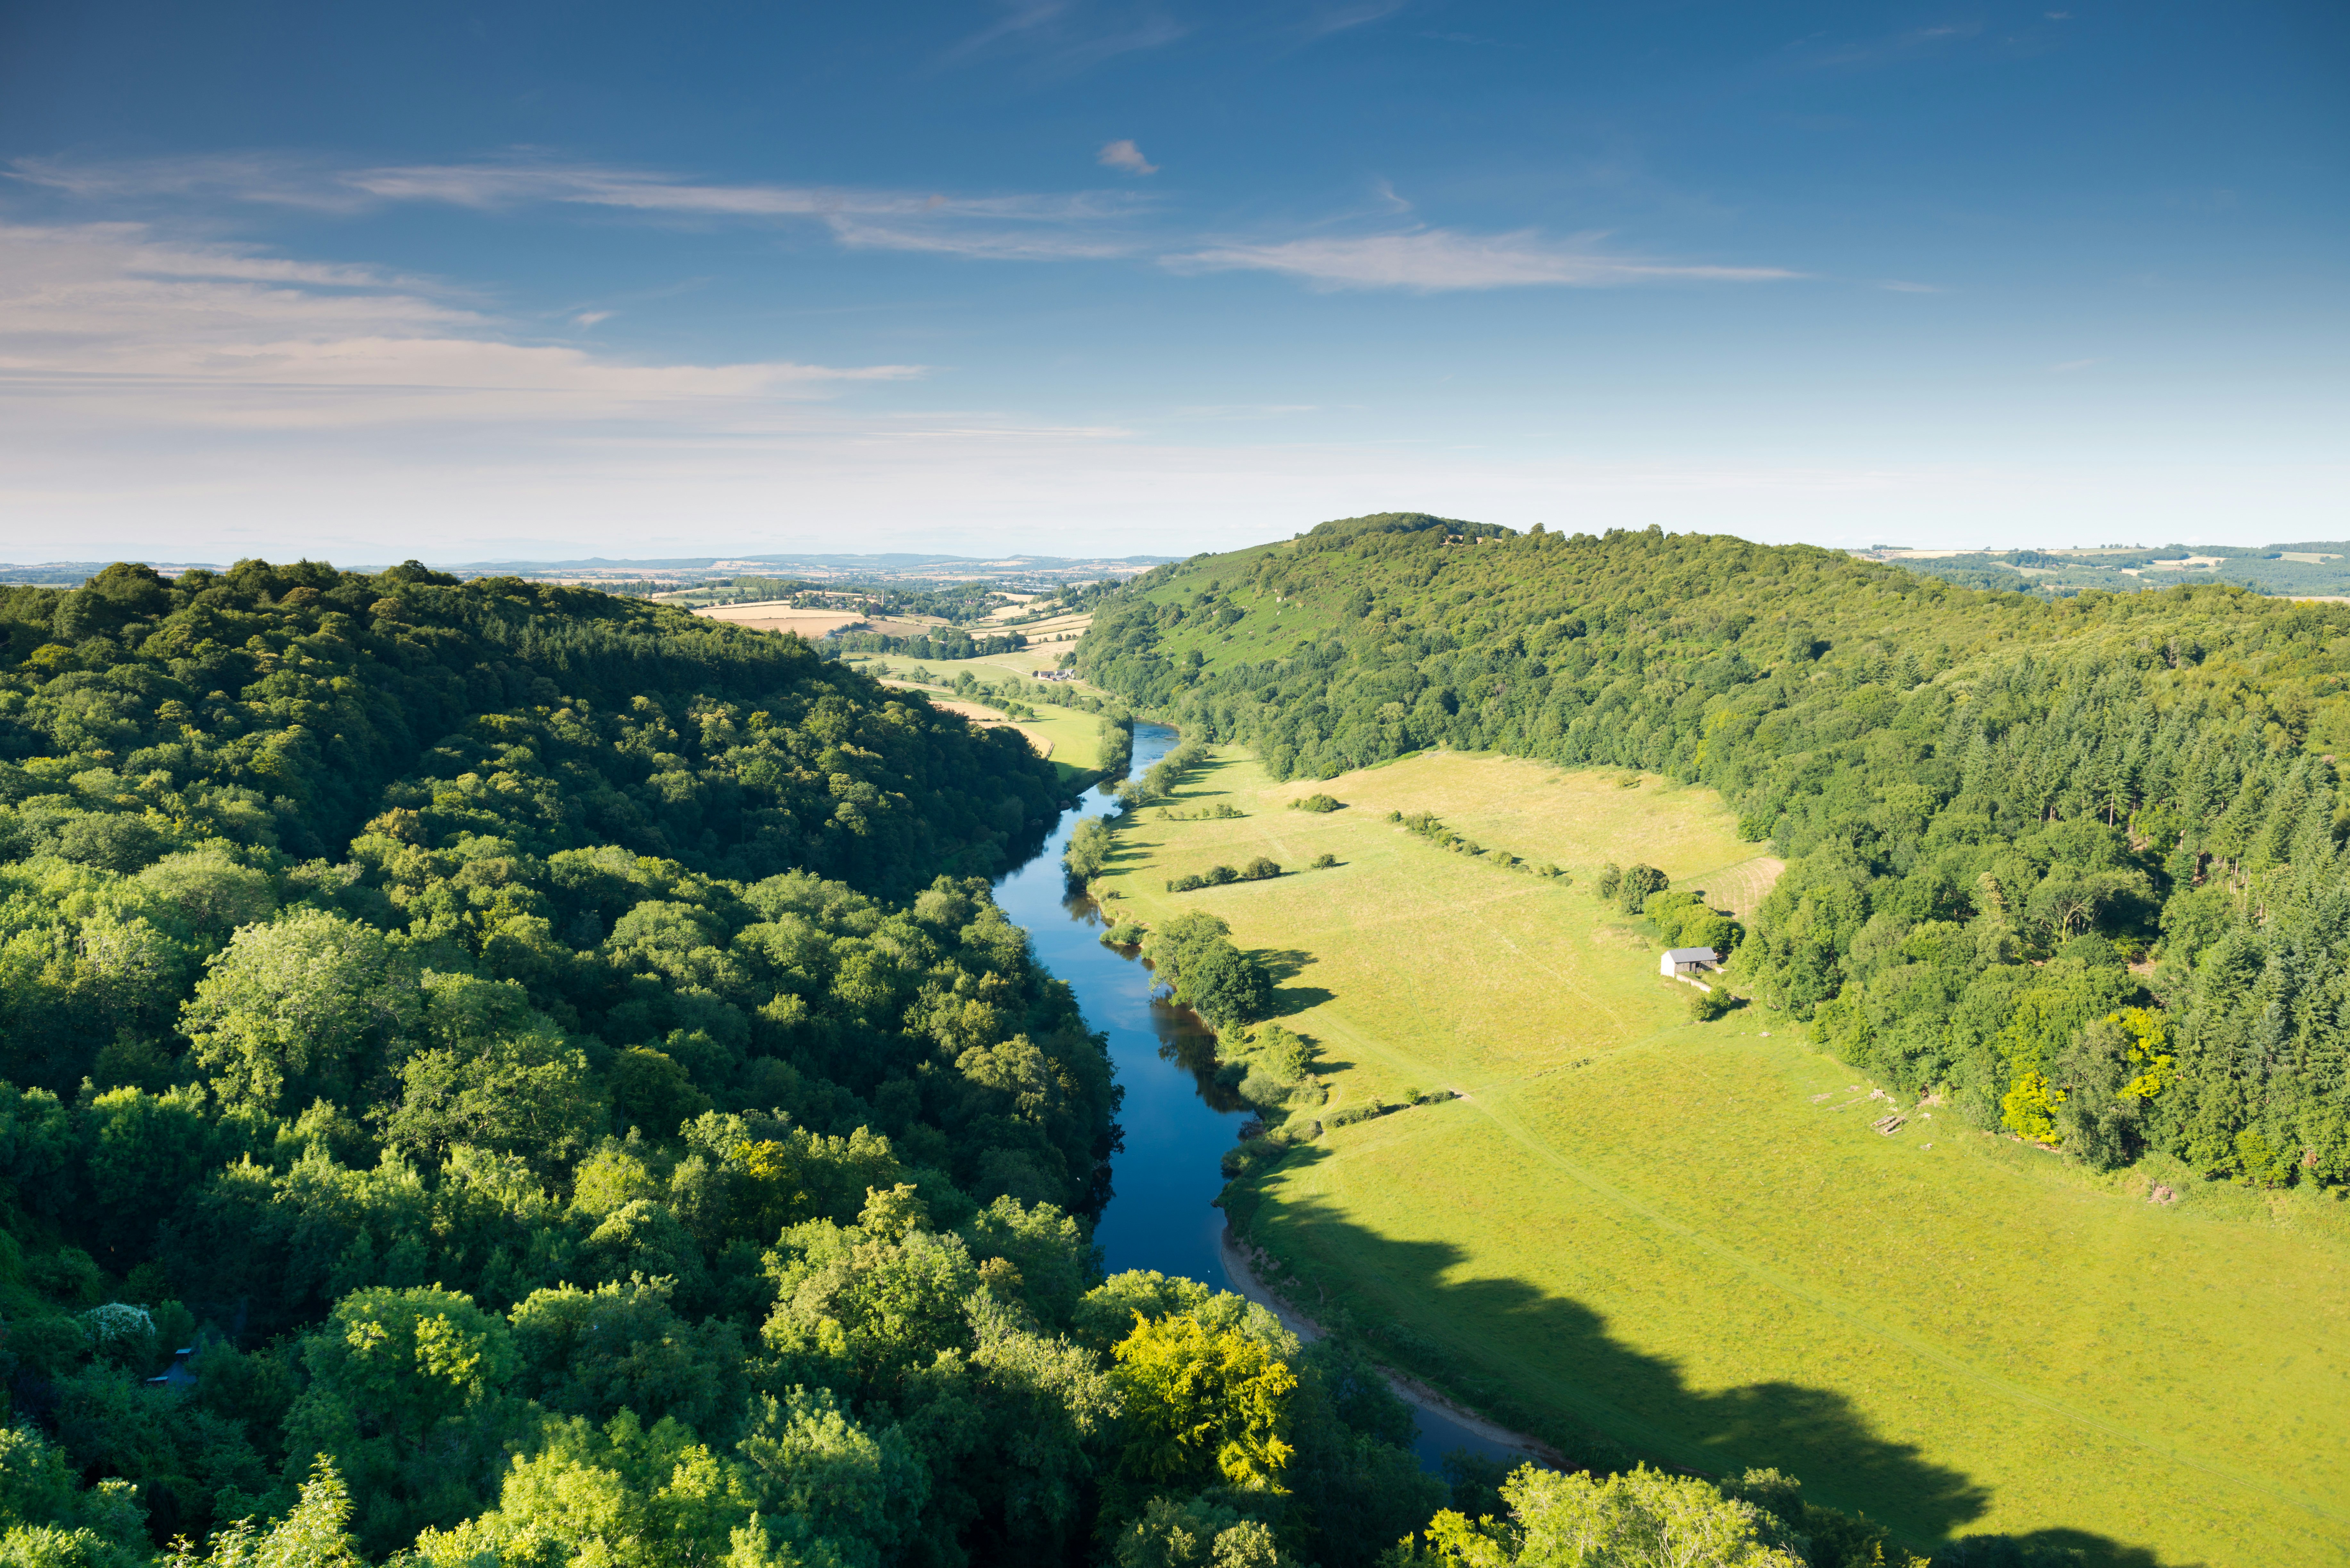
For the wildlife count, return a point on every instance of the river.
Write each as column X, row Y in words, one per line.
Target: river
column 1177, row 1122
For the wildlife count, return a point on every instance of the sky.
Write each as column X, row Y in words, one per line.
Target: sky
column 542, row 281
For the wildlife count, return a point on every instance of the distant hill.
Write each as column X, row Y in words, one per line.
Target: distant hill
column 2320, row 570
column 686, row 571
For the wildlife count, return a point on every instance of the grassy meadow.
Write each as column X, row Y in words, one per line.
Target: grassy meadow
column 1070, row 738
column 1688, row 1236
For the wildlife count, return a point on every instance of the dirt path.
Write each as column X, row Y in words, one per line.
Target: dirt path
column 1239, row 1270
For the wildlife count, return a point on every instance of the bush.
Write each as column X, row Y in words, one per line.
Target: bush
column 1217, row 876
column 1258, row 869
column 1323, row 861
column 1123, row 934
column 1280, row 1053
column 1184, row 884
column 1317, row 802
column 1705, row 1006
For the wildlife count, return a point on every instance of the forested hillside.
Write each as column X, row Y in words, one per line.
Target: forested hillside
column 556, row 1064
column 2078, row 864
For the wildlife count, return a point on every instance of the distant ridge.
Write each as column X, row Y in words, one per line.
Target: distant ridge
column 892, row 566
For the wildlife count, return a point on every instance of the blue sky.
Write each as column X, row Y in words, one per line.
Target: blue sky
column 564, row 280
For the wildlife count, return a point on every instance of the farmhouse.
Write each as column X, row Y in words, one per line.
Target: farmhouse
column 1679, row 962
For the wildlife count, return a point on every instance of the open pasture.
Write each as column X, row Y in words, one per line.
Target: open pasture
column 1072, row 740
column 1690, row 1238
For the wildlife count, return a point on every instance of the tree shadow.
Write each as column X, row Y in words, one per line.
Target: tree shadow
column 1623, row 1405
column 1283, row 963
column 1290, row 1000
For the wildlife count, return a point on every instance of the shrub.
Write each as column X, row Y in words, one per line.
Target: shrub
column 1123, row 934
column 1184, row 884
column 1280, row 1053
column 1317, row 802
column 1705, row 1006
column 1323, row 861
column 1258, row 869
column 1217, row 876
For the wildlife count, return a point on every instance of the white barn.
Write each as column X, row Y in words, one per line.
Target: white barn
column 1679, row 962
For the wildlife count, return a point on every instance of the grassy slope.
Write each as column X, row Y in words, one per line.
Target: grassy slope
column 1664, row 1230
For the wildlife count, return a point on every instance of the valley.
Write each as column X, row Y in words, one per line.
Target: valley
column 1687, row 1239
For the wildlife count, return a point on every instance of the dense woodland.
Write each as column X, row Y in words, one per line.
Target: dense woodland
column 2078, row 866
column 555, row 1062
column 503, row 1074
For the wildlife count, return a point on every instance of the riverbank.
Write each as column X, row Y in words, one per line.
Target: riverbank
column 1239, row 1273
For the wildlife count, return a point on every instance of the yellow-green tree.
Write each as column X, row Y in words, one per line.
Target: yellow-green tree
column 1203, row 1407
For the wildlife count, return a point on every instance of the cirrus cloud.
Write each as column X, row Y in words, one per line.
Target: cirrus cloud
column 1436, row 260
column 142, row 328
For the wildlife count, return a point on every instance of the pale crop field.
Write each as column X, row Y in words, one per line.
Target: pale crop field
column 1689, row 1237
column 1071, row 739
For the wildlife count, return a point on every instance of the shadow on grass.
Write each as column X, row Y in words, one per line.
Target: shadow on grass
column 1627, row 1405
column 1290, row 1000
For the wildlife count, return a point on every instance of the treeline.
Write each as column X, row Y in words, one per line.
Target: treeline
column 947, row 642
column 2080, row 865
column 506, row 1061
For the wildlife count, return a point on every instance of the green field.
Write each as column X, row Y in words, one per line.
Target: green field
column 1689, row 1237
column 1074, row 737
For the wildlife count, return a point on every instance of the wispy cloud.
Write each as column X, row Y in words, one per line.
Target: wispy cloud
column 981, row 244
column 1057, row 38
column 268, row 178
column 1124, row 155
column 1024, row 226
column 1323, row 22
column 1436, row 260
column 163, row 332
column 1017, row 226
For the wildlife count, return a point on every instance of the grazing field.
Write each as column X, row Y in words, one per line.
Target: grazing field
column 1072, row 740
column 1688, row 1236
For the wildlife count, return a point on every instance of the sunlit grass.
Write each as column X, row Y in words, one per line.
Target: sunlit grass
column 1689, row 1237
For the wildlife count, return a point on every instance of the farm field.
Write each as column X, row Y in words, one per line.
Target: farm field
column 1071, row 739
column 1018, row 665
column 1689, row 1237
